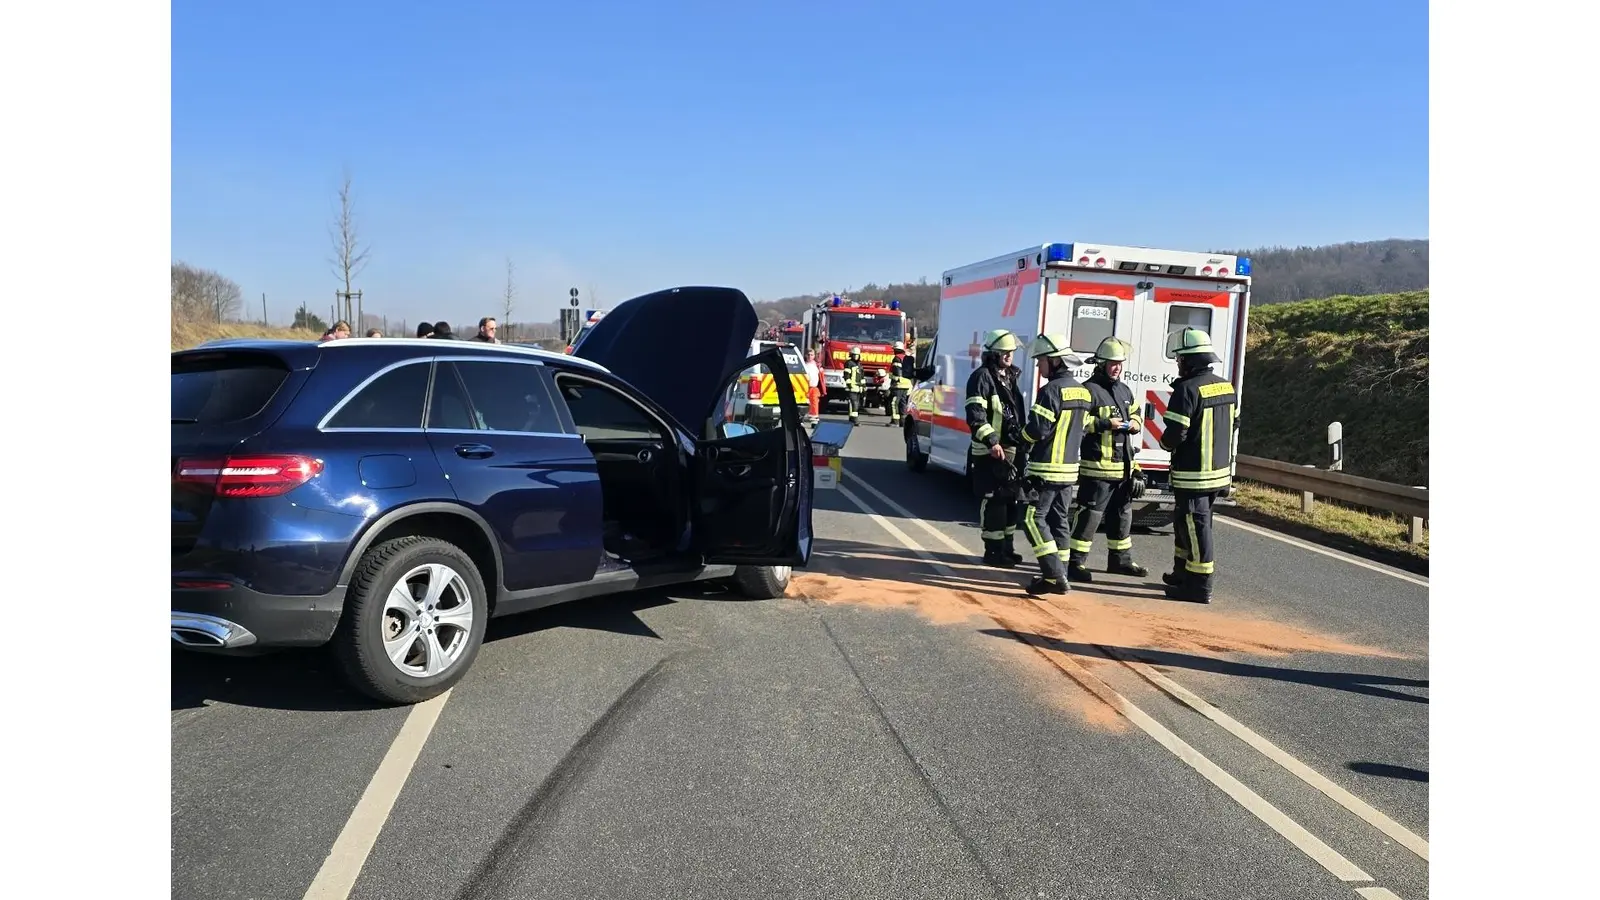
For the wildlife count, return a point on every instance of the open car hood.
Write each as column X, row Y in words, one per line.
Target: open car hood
column 678, row 347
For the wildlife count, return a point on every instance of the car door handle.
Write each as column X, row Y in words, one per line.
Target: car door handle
column 1149, row 411
column 737, row 470
column 474, row 451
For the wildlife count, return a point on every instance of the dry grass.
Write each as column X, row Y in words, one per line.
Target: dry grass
column 190, row 334
column 1374, row 529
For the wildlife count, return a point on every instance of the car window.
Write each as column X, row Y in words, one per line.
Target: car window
column 449, row 407
column 741, row 410
column 509, row 397
column 1092, row 322
column 601, row 413
column 392, row 400
column 1181, row 317
column 213, row 388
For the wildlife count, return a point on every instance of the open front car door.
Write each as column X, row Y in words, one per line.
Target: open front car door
column 752, row 503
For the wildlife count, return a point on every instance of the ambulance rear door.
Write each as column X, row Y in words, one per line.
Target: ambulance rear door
column 1169, row 305
column 1089, row 307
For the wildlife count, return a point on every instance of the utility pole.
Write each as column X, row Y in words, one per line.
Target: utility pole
column 264, row 323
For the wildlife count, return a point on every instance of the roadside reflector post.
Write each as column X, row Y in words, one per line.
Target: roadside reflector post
column 1418, row 524
column 1336, row 441
column 1306, row 497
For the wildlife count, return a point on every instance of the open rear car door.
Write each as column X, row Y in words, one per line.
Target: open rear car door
column 752, row 495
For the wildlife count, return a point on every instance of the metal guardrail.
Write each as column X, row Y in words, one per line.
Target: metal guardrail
column 1310, row 481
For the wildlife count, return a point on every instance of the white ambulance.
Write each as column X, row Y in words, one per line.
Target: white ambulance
column 1087, row 292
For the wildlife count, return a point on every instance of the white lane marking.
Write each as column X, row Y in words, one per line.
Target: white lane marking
column 1397, row 832
column 1377, row 893
column 343, row 865
column 1292, row 831
column 1394, row 830
column 1334, row 554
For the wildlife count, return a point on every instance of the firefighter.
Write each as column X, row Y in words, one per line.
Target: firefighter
column 994, row 416
column 1054, row 437
column 1106, row 473
column 853, row 383
column 899, row 382
column 1199, row 432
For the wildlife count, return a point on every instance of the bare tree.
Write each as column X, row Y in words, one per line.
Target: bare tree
column 594, row 296
column 349, row 256
column 201, row 295
column 510, row 298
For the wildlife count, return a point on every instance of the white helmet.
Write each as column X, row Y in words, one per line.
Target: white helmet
column 900, row 345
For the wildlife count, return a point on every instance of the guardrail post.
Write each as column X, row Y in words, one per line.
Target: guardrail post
column 1306, row 497
column 1414, row 532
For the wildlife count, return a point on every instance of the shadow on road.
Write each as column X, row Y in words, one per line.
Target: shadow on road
column 1353, row 682
column 1384, row 770
column 310, row 680
column 938, row 495
column 860, row 560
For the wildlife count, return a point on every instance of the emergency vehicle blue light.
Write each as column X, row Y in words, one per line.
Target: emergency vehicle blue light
column 837, row 301
column 1243, row 267
column 1058, row 253
column 894, row 304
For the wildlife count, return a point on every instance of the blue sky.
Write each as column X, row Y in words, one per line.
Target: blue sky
column 778, row 148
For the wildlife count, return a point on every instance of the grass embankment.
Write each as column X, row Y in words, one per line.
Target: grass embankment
column 1360, row 361
column 192, row 334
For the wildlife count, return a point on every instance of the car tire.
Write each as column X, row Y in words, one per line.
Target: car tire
column 762, row 582
column 441, row 635
column 916, row 460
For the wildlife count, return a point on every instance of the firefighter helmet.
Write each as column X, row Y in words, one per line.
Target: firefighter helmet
column 1054, row 346
column 900, row 345
column 1191, row 342
column 855, row 352
column 1000, row 341
column 1112, row 350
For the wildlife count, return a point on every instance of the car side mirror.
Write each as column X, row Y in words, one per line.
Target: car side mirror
column 734, row 429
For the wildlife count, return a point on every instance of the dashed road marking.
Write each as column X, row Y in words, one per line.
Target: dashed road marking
column 343, row 865
column 1363, row 810
column 1274, row 818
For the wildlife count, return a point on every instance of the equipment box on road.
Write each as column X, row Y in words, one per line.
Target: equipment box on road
column 826, row 463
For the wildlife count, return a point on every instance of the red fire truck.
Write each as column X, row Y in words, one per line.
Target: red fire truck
column 787, row 332
column 836, row 324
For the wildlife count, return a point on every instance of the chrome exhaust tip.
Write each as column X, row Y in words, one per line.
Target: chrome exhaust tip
column 208, row 632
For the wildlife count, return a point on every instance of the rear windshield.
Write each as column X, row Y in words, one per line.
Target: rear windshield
column 212, row 388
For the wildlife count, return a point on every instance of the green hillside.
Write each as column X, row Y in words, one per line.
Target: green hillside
column 1361, row 361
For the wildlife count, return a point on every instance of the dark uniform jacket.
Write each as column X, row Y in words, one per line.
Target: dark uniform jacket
column 1054, row 433
column 1106, row 455
column 994, row 409
column 1199, row 432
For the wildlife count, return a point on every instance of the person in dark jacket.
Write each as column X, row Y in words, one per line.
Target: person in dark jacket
column 442, row 332
column 1199, row 432
column 424, row 329
column 486, row 329
column 1054, row 437
column 994, row 417
column 1105, row 473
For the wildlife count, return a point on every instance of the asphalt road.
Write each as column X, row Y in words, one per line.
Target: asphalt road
column 905, row 724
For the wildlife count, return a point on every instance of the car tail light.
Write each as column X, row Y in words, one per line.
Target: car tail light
column 247, row 476
column 755, row 388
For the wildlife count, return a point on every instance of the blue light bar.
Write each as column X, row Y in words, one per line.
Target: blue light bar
column 894, row 304
column 1244, row 266
column 1058, row 253
column 837, row 301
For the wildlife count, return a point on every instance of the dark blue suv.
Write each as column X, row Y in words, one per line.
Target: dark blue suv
column 389, row 496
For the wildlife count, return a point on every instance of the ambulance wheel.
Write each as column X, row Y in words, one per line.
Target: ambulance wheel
column 916, row 460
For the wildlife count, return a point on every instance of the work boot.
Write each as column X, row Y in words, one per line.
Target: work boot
column 994, row 554
column 1177, row 576
column 1077, row 571
column 1041, row 586
column 1123, row 564
column 1194, row 589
